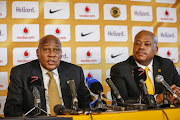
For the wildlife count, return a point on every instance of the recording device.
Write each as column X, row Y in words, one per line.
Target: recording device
column 114, row 89
column 95, row 86
column 34, row 84
column 140, row 78
column 160, row 79
column 74, row 94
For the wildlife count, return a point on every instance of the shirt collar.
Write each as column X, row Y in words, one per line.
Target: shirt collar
column 149, row 66
column 44, row 71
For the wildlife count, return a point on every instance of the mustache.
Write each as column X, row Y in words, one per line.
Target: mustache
column 143, row 51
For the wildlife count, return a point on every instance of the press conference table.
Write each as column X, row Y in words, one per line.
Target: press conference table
column 172, row 113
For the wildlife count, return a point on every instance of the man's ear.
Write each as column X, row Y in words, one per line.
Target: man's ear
column 37, row 53
column 156, row 49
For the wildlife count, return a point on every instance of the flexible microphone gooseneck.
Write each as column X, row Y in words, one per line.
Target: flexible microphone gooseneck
column 74, row 94
column 114, row 89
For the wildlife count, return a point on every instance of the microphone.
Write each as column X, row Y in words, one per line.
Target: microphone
column 140, row 77
column 34, row 84
column 95, row 86
column 73, row 93
column 61, row 110
column 160, row 79
column 114, row 89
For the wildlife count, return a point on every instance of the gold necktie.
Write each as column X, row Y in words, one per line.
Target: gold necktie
column 53, row 92
column 149, row 83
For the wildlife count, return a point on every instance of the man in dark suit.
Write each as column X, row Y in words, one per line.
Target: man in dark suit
column 144, row 55
column 20, row 99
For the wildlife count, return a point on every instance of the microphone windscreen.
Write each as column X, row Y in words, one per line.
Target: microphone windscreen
column 33, row 81
column 159, row 78
column 94, row 85
column 58, row 109
column 139, row 74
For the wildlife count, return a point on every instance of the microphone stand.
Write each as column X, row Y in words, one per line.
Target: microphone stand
column 114, row 101
column 74, row 110
column 99, row 104
column 37, row 104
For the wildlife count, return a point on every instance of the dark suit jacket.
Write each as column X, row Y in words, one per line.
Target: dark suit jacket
column 20, row 99
column 121, row 75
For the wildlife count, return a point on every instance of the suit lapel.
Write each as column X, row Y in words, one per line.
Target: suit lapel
column 156, row 71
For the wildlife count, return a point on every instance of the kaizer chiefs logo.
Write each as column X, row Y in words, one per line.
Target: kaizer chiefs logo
column 115, row 12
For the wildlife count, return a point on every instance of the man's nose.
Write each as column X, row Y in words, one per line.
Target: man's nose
column 51, row 53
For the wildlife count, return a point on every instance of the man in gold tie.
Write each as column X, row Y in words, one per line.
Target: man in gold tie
column 53, row 73
column 144, row 56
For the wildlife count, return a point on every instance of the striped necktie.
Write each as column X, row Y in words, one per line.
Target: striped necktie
column 149, row 83
column 53, row 93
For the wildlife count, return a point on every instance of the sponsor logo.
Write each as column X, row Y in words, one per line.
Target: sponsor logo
column 89, row 74
column 141, row 13
column 88, row 54
column 26, row 54
column 166, row 13
column 83, row 35
column 167, row 35
column 115, row 33
column 25, row 31
column 87, row 33
column 64, row 56
column 23, row 55
column 54, row 11
column 25, row 10
column 115, row 12
column 87, row 9
column 58, row 31
column 168, row 53
column 114, row 56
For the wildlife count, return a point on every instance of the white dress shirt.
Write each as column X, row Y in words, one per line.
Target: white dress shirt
column 46, row 83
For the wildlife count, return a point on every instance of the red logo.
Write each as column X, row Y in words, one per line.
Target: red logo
column 89, row 75
column 166, row 13
column 87, row 9
column 58, row 31
column 168, row 53
column 25, row 31
column 35, row 78
column 26, row 54
column 88, row 54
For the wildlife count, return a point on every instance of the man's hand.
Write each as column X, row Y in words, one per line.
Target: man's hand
column 170, row 97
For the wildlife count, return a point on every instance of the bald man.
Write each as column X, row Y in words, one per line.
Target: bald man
column 144, row 55
column 20, row 99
